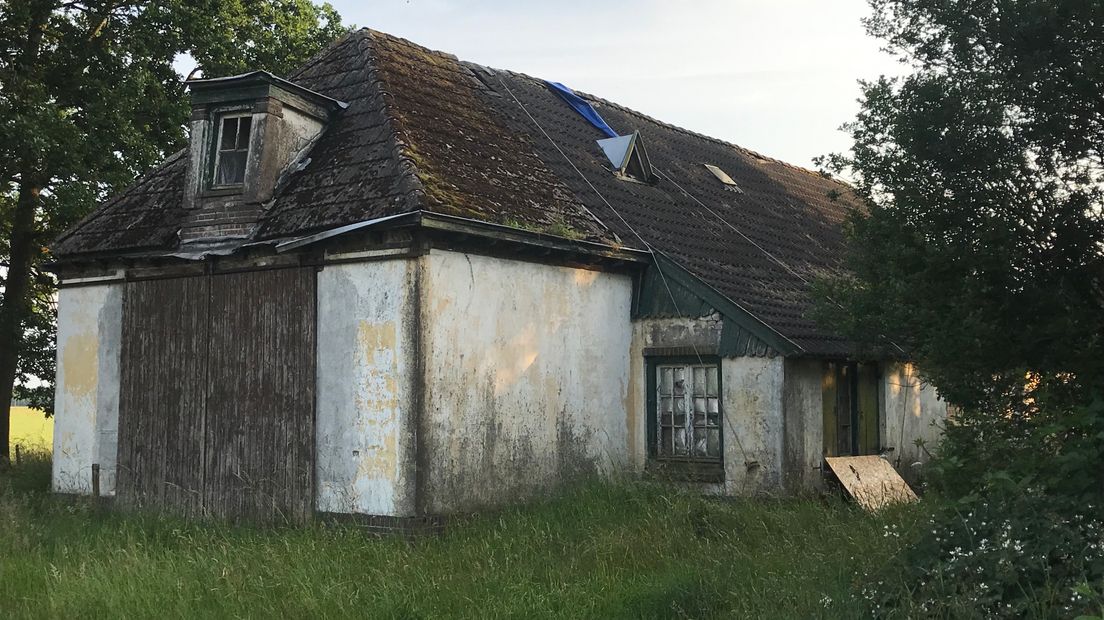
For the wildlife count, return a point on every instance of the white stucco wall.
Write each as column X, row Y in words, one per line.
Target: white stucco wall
column 913, row 411
column 364, row 423
column 86, row 398
column 526, row 378
column 753, row 422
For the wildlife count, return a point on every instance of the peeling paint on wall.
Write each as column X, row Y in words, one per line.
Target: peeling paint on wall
column 80, row 363
column 527, row 378
column 86, row 397
column 365, row 383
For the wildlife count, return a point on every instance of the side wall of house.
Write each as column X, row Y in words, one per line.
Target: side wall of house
column 913, row 412
column 86, row 401
column 366, row 387
column 526, row 378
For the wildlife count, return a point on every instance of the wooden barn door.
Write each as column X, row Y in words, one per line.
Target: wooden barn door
column 216, row 412
column 162, row 394
column 260, row 403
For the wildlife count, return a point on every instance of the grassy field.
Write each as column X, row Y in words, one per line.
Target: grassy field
column 603, row 551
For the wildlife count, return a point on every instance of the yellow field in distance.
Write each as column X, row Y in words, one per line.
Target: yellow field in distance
column 31, row 430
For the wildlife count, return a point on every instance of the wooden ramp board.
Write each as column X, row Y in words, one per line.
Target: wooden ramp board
column 871, row 480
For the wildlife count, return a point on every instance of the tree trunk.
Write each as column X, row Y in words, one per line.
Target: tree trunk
column 14, row 311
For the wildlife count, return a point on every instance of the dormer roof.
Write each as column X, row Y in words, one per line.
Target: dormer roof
column 260, row 85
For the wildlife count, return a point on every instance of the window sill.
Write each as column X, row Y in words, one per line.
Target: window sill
column 232, row 190
column 685, row 470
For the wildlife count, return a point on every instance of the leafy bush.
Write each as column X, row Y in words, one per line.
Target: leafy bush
column 1023, row 557
column 1021, row 529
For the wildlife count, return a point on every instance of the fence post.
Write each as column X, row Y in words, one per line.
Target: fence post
column 95, row 479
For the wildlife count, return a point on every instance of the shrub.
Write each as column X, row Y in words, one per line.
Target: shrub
column 1020, row 531
column 1026, row 557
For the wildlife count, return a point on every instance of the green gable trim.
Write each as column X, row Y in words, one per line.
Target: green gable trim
column 736, row 341
column 669, row 290
column 663, row 297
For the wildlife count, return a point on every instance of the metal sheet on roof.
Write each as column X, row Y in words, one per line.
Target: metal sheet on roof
column 617, row 150
column 721, row 175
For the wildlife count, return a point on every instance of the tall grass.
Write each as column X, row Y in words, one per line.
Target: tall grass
column 599, row 550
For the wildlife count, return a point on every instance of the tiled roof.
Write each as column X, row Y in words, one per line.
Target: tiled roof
column 424, row 131
column 146, row 216
column 760, row 246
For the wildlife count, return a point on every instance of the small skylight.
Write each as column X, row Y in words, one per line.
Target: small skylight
column 723, row 177
column 629, row 158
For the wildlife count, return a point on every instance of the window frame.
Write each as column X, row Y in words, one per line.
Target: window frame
column 216, row 147
column 693, row 468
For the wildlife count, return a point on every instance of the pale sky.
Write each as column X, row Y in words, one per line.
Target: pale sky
column 774, row 76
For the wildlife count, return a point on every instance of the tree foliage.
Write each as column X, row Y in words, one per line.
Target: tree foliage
column 981, row 254
column 90, row 96
column 983, row 169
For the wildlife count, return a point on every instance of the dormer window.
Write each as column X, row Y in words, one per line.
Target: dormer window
column 247, row 131
column 233, row 150
column 629, row 159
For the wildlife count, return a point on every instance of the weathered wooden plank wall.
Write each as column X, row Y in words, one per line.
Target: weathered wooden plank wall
column 162, row 393
column 260, row 407
column 217, row 405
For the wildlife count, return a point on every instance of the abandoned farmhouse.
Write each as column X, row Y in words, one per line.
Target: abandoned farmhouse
column 399, row 285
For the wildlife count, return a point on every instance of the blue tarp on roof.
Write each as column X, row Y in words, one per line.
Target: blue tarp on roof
column 581, row 106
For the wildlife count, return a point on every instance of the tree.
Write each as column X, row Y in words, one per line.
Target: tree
column 980, row 251
column 89, row 98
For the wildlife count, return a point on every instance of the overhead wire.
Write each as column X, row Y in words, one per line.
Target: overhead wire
column 651, row 251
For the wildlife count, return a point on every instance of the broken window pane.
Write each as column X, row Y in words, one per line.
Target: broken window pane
column 688, row 417
column 711, row 381
column 229, row 134
column 231, row 169
column 714, row 445
column 233, row 150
